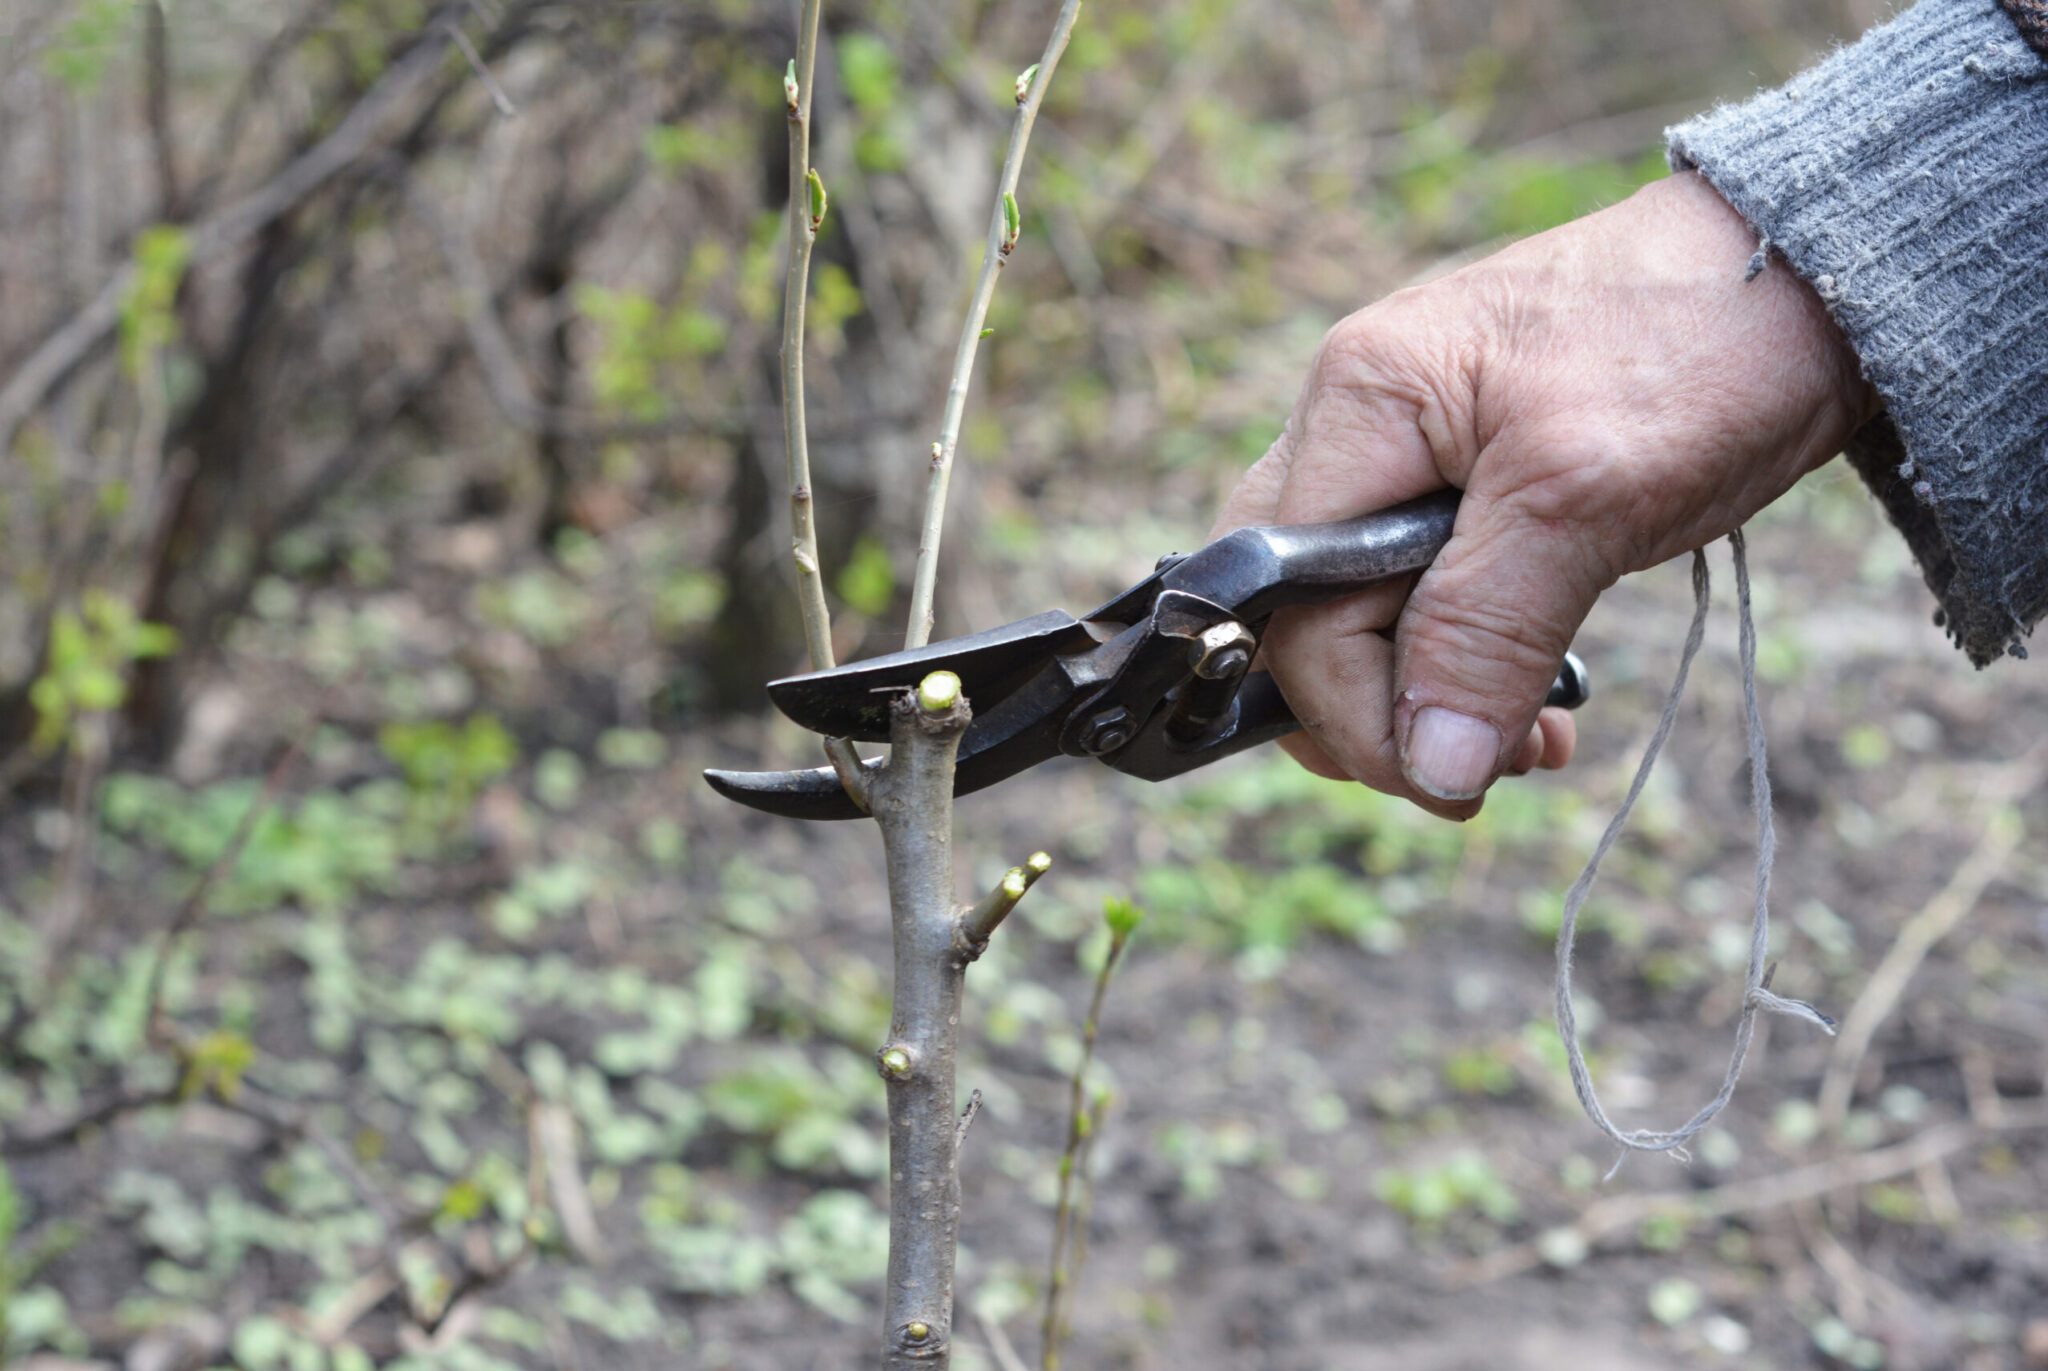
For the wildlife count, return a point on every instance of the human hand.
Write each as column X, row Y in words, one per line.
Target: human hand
column 1609, row 394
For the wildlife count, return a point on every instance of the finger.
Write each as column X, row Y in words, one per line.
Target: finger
column 1560, row 737
column 1256, row 497
column 1334, row 664
column 1355, row 443
column 1304, row 749
column 1483, row 634
column 1530, row 755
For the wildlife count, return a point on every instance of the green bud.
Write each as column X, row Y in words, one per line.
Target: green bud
column 938, row 692
column 1122, row 916
column 1024, row 82
column 1013, row 221
column 818, row 200
column 917, row 1330
column 895, row 1063
column 790, row 91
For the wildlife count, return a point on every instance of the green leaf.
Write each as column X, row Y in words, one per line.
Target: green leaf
column 868, row 67
column 1122, row 916
column 87, row 42
column 868, row 580
column 218, row 1060
column 10, row 1213
column 262, row 1342
column 149, row 320
column 463, row 1201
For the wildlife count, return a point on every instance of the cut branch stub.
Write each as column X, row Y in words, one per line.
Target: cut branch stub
column 912, row 797
column 938, row 692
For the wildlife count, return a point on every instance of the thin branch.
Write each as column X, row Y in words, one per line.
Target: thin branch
column 156, row 102
column 1002, row 236
column 28, row 1141
column 967, row 1118
column 193, row 908
column 483, row 72
column 71, row 902
column 1123, row 921
column 803, row 235
column 806, row 216
column 294, row 1120
column 999, row 1344
column 505, row 379
column 1084, row 1202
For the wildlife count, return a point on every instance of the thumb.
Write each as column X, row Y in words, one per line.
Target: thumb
column 1481, row 639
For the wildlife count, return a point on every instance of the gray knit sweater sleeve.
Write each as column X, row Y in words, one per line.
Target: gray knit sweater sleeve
column 1906, row 178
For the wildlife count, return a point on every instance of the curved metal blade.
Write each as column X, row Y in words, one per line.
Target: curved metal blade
column 852, row 701
column 814, row 794
column 1021, row 731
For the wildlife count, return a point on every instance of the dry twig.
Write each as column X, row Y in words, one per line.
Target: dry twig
column 1999, row 839
column 1605, row 1218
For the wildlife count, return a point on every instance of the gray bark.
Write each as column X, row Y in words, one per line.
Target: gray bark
column 913, row 803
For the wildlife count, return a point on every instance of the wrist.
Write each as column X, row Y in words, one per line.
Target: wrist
column 1812, row 338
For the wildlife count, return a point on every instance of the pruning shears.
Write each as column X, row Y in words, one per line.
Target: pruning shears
column 1155, row 683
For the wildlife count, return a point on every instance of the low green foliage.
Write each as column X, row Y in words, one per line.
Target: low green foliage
column 87, row 42
column 1263, row 915
column 641, row 342
column 1201, row 1153
column 91, row 652
column 1482, row 1069
column 321, row 852
column 809, row 1114
column 149, row 320
column 1429, row 1195
column 445, row 766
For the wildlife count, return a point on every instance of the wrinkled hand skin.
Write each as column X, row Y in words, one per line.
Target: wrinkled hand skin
column 1608, row 395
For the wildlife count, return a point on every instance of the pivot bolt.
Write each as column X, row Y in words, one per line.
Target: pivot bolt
column 1222, row 652
column 1109, row 730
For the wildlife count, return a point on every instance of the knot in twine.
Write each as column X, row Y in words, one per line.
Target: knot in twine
column 1757, row 993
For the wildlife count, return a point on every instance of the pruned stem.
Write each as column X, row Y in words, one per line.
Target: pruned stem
column 806, row 214
column 988, row 913
column 1001, row 238
column 913, row 804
